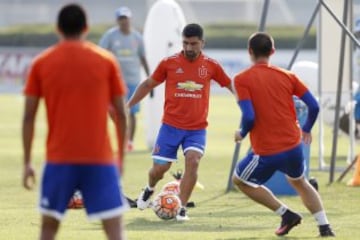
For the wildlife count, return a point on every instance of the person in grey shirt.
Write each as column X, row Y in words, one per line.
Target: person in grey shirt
column 127, row 45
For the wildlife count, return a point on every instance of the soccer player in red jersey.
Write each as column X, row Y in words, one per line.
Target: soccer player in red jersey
column 265, row 96
column 187, row 77
column 78, row 82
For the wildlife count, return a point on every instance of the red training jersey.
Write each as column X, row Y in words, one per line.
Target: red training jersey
column 271, row 90
column 78, row 81
column 187, row 89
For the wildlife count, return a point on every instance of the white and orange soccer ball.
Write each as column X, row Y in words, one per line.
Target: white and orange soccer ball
column 166, row 205
column 172, row 187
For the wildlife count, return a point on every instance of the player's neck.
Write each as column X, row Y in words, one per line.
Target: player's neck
column 125, row 31
column 261, row 60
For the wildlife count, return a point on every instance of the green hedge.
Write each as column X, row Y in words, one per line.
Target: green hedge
column 221, row 35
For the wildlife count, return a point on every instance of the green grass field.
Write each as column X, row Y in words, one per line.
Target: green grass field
column 216, row 216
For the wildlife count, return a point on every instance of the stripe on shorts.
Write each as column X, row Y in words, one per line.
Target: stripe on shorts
column 250, row 168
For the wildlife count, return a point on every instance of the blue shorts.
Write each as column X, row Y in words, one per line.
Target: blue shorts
column 256, row 170
column 169, row 140
column 131, row 89
column 98, row 184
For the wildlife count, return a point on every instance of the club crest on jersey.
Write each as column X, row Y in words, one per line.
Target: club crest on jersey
column 202, row 72
column 190, row 86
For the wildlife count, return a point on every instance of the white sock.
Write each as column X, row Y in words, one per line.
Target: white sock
column 281, row 210
column 150, row 188
column 321, row 218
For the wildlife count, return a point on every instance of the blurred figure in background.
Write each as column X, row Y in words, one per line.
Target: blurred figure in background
column 128, row 47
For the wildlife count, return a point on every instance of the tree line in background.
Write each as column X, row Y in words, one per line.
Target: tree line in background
column 218, row 35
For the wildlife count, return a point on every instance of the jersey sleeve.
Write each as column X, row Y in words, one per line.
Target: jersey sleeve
column 220, row 76
column 33, row 82
column 117, row 83
column 240, row 89
column 160, row 73
column 299, row 87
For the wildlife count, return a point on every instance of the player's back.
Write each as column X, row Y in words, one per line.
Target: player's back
column 271, row 90
column 76, row 78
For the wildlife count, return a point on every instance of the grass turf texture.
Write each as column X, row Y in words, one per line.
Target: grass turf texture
column 216, row 215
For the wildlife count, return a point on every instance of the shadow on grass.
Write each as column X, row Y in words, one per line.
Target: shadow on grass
column 267, row 238
column 194, row 225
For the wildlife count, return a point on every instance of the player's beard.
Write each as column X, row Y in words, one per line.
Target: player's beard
column 191, row 55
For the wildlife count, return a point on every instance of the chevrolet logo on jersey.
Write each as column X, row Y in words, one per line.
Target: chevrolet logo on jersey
column 190, row 86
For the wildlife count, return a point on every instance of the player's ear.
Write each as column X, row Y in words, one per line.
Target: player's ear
column 272, row 51
column 85, row 31
column 59, row 32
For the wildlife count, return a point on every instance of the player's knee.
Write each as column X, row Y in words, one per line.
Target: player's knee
column 50, row 224
column 158, row 171
column 237, row 182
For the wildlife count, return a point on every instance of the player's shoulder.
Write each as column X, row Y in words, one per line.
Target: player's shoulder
column 210, row 60
column 173, row 58
column 111, row 31
column 136, row 33
column 45, row 54
column 281, row 70
column 243, row 74
column 99, row 52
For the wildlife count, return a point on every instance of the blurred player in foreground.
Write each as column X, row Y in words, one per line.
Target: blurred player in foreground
column 78, row 81
column 265, row 96
column 187, row 77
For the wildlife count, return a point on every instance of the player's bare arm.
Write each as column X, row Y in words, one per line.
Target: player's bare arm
column 142, row 90
column 145, row 65
column 230, row 88
column 31, row 106
column 119, row 110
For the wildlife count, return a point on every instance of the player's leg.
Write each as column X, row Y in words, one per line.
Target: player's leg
column 49, row 228
column 114, row 228
column 132, row 129
column 57, row 186
column 294, row 167
column 103, row 198
column 249, row 176
column 164, row 153
column 156, row 173
column 194, row 146
column 190, row 176
column 132, row 118
column 312, row 201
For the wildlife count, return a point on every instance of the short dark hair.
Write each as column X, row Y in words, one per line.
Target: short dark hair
column 193, row 30
column 71, row 20
column 261, row 44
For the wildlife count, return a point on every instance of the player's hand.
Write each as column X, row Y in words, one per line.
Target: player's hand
column 306, row 137
column 238, row 136
column 28, row 177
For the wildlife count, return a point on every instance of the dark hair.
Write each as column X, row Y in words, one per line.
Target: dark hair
column 261, row 44
column 193, row 30
column 71, row 20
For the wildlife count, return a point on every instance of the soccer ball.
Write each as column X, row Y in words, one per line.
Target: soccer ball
column 166, row 205
column 172, row 187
